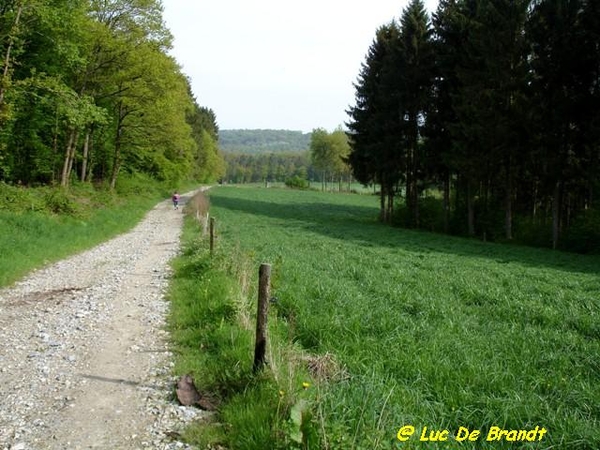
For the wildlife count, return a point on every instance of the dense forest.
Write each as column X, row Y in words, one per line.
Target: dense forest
column 261, row 141
column 89, row 91
column 495, row 104
column 323, row 160
column 265, row 155
column 267, row 167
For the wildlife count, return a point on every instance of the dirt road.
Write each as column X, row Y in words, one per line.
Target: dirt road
column 84, row 362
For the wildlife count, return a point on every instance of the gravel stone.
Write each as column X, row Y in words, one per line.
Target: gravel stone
column 85, row 361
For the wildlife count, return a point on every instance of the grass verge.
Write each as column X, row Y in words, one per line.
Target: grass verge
column 212, row 328
column 43, row 225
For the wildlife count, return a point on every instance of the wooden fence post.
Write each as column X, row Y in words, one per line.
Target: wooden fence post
column 204, row 223
column 212, row 235
column 264, row 293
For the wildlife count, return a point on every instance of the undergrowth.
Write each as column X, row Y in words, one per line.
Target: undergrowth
column 45, row 224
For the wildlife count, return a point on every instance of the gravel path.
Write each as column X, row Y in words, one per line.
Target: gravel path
column 84, row 362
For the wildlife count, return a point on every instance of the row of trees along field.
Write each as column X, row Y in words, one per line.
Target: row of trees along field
column 263, row 141
column 88, row 90
column 495, row 103
column 264, row 155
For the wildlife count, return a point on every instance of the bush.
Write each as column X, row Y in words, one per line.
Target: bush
column 58, row 202
column 198, row 207
column 532, row 232
column 18, row 199
column 137, row 184
column 296, row 182
column 584, row 234
column 431, row 215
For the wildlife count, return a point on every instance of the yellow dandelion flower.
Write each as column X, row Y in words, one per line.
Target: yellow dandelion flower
column 305, row 385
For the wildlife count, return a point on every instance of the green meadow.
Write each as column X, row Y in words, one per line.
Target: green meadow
column 388, row 329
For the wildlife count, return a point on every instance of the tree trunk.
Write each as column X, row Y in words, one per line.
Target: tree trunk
column 556, row 207
column 535, row 200
column 508, row 206
column 118, row 142
column 55, row 148
column 409, row 187
column 416, row 205
column 116, row 161
column 470, row 210
column 84, row 163
column 67, row 164
column 6, row 70
column 73, row 153
column 382, row 204
column 415, row 182
column 446, row 201
column 508, row 217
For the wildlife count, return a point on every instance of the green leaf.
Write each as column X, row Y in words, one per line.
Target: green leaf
column 296, row 416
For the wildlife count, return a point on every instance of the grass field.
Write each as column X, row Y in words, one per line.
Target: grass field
column 412, row 329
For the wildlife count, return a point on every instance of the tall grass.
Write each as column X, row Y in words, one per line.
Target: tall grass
column 42, row 225
column 427, row 330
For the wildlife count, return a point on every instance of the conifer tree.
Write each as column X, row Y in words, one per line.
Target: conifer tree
column 564, row 63
column 415, row 74
column 374, row 129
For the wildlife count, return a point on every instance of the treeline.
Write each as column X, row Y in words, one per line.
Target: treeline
column 88, row 91
column 262, row 141
column 329, row 156
column 325, row 161
column 494, row 103
column 268, row 167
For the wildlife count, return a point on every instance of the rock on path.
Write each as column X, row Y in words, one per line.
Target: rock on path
column 84, row 362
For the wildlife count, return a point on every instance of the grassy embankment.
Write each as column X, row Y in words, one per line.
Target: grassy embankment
column 389, row 327
column 42, row 225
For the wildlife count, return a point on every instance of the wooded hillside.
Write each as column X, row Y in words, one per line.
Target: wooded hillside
column 88, row 91
column 263, row 141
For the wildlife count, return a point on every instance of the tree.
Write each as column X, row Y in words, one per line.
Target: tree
column 10, row 16
column 448, row 40
column 320, row 152
column 489, row 132
column 506, row 119
column 564, row 63
column 340, row 148
column 374, row 128
column 209, row 163
column 87, row 87
column 415, row 73
column 329, row 152
column 47, row 45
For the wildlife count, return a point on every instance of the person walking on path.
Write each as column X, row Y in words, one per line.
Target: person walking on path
column 175, row 199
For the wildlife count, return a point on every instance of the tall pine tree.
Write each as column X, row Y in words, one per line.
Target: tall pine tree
column 415, row 77
column 374, row 129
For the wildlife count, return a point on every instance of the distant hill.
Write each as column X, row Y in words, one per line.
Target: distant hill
column 263, row 141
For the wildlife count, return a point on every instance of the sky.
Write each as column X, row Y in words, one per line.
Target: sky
column 275, row 64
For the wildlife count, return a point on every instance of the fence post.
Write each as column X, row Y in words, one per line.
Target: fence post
column 212, row 235
column 264, row 293
column 204, row 223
